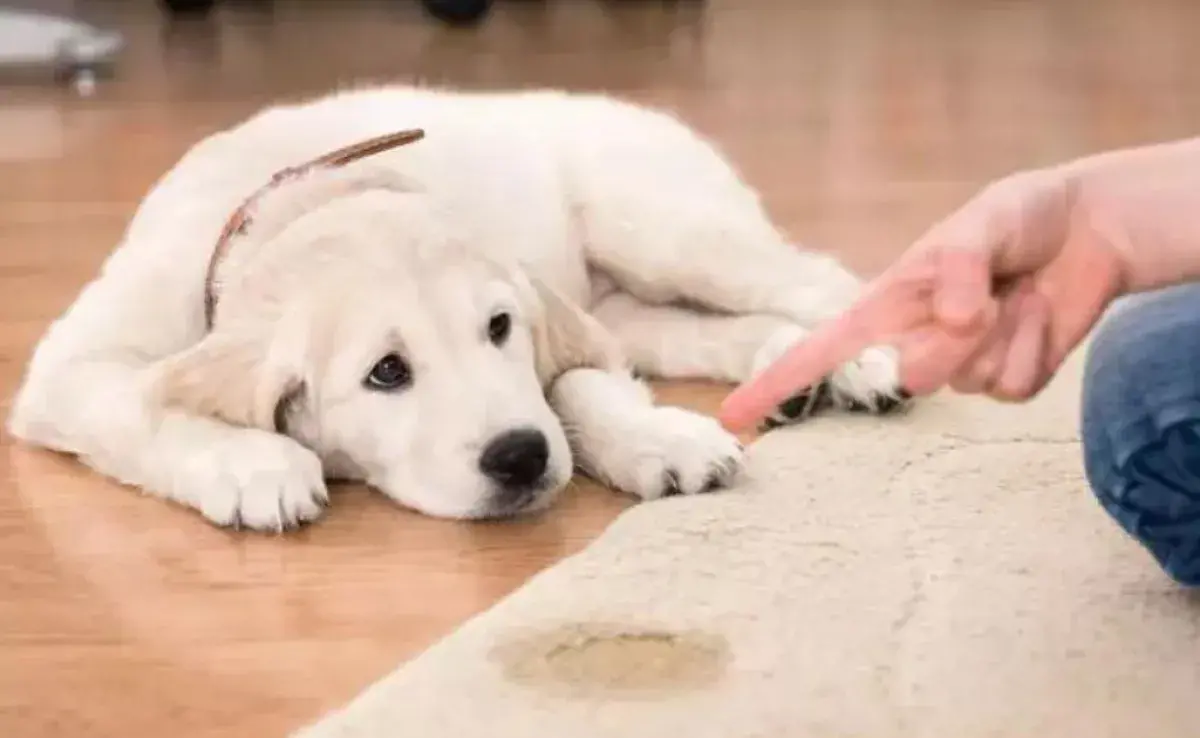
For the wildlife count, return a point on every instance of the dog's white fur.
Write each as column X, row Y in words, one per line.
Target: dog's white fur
column 614, row 236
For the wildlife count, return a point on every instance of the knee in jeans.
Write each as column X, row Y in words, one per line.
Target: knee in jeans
column 1141, row 429
column 1154, row 495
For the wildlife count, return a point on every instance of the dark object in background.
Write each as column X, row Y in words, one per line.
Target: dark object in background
column 454, row 12
column 458, row 12
column 188, row 6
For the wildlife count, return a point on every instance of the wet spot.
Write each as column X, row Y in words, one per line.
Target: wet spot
column 604, row 660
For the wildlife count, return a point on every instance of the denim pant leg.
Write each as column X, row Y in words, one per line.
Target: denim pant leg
column 1141, row 423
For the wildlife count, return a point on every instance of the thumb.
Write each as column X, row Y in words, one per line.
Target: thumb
column 962, row 299
column 1012, row 228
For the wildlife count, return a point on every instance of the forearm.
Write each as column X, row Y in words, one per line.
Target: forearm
column 1145, row 203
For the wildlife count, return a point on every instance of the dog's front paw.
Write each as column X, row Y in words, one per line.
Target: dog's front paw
column 676, row 452
column 254, row 479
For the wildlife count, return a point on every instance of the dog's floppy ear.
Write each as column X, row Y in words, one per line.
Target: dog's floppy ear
column 565, row 336
column 243, row 377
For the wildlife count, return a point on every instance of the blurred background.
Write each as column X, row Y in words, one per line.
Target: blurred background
column 861, row 121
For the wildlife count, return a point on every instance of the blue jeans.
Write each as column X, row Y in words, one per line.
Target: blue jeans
column 1141, row 423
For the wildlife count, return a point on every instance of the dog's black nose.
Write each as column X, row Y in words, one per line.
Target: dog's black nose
column 516, row 459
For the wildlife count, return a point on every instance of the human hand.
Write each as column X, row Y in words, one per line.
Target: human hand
column 991, row 300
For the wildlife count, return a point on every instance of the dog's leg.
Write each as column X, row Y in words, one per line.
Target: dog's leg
column 101, row 412
column 714, row 265
column 620, row 437
column 730, row 259
column 672, row 342
column 87, row 393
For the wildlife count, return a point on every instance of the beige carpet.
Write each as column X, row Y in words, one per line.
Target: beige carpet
column 946, row 574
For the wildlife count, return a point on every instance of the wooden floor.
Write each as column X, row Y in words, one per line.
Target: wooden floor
column 861, row 121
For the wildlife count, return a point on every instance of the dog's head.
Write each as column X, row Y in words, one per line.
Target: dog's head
column 361, row 330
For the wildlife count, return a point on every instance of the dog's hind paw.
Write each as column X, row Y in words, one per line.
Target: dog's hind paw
column 804, row 403
column 868, row 384
column 800, row 406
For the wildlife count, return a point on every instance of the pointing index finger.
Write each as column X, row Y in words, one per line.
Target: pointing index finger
column 894, row 303
column 803, row 365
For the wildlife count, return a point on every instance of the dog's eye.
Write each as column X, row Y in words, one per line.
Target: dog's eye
column 499, row 327
column 389, row 373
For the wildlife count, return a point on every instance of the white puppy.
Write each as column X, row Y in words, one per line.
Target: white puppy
column 454, row 322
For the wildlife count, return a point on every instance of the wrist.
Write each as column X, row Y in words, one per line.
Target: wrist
column 1142, row 207
column 1095, row 224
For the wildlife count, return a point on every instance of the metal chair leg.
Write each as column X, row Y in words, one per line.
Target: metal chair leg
column 74, row 50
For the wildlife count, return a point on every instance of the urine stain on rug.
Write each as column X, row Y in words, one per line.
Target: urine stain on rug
column 606, row 660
